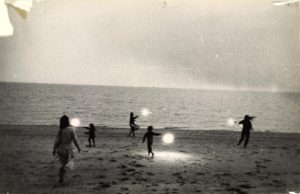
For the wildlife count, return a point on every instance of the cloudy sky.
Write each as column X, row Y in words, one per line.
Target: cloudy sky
column 246, row 44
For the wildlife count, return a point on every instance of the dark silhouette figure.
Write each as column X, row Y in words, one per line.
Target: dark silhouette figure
column 133, row 126
column 91, row 134
column 63, row 145
column 247, row 126
column 149, row 135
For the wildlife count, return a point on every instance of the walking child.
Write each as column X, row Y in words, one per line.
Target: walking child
column 149, row 135
column 63, row 145
column 133, row 126
column 91, row 134
column 247, row 126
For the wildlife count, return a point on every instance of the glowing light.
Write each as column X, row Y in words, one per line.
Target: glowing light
column 293, row 192
column 171, row 156
column 284, row 2
column 168, row 138
column 75, row 122
column 230, row 122
column 145, row 112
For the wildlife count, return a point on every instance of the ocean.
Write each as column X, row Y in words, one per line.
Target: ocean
column 110, row 106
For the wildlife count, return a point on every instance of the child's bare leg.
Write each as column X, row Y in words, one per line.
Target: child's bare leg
column 61, row 174
column 90, row 142
column 242, row 138
column 152, row 155
column 94, row 142
column 247, row 139
column 130, row 133
column 150, row 150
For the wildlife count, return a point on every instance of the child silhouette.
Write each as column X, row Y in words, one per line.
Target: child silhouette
column 247, row 126
column 133, row 126
column 91, row 134
column 149, row 135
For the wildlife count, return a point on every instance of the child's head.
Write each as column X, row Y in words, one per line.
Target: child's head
column 64, row 122
column 150, row 128
column 92, row 125
column 246, row 117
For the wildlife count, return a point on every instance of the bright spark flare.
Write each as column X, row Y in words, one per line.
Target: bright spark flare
column 145, row 112
column 75, row 122
column 168, row 138
column 230, row 122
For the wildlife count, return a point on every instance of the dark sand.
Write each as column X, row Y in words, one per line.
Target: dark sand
column 197, row 162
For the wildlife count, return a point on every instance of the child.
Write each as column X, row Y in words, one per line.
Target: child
column 63, row 144
column 247, row 126
column 149, row 135
column 133, row 126
column 91, row 134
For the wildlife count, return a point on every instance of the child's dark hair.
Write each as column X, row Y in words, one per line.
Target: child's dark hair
column 63, row 123
column 150, row 128
column 247, row 117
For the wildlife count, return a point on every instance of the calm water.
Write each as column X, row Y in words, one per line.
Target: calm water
column 39, row 104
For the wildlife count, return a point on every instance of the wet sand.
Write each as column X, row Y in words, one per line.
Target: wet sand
column 197, row 162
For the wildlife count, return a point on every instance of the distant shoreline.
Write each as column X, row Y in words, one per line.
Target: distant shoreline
column 155, row 87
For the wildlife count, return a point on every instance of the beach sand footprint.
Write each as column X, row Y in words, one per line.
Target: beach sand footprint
column 124, row 188
column 124, row 179
column 201, row 173
column 135, row 164
column 112, row 160
column 150, row 173
column 104, row 184
column 246, row 186
column 266, row 160
column 129, row 170
column 250, row 173
column 236, row 190
column 100, row 176
column 122, row 166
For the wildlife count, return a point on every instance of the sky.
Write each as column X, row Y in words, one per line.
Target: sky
column 215, row 44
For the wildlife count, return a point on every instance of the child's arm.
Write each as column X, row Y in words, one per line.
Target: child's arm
column 156, row 134
column 56, row 142
column 136, row 117
column 251, row 118
column 75, row 140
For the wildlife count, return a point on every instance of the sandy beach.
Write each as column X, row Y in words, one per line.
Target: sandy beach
column 197, row 162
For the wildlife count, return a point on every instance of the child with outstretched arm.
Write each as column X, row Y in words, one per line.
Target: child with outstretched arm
column 133, row 126
column 91, row 134
column 149, row 135
column 247, row 126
